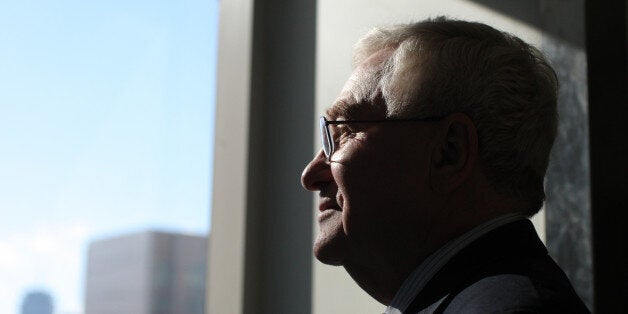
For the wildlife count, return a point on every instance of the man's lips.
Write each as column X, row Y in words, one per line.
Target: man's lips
column 327, row 208
column 327, row 203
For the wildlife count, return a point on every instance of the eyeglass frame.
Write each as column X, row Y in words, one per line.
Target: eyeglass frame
column 326, row 134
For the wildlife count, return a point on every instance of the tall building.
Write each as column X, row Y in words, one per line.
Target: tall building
column 37, row 302
column 146, row 273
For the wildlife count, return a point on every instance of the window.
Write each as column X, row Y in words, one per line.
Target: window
column 106, row 127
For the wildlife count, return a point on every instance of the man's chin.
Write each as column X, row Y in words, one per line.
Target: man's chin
column 328, row 261
column 330, row 252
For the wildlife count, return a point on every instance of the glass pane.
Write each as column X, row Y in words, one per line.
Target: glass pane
column 106, row 127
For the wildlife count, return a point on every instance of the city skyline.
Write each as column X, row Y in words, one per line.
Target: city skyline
column 106, row 122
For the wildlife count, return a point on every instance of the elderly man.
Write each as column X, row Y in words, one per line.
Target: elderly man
column 433, row 158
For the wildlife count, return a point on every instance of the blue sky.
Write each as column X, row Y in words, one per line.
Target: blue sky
column 106, row 127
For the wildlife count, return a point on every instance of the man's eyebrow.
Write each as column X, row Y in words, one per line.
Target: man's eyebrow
column 346, row 110
column 338, row 109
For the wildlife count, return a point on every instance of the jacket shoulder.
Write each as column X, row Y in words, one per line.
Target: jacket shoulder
column 511, row 293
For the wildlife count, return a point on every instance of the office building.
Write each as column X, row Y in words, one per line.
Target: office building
column 146, row 273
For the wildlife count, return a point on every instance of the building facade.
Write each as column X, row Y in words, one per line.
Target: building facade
column 146, row 273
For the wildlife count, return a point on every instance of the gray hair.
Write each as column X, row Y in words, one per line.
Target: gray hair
column 504, row 85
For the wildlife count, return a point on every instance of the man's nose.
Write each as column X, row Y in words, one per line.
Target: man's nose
column 316, row 173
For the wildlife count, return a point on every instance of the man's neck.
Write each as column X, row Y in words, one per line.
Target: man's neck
column 381, row 274
column 378, row 283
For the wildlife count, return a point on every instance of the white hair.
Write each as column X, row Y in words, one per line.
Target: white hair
column 504, row 85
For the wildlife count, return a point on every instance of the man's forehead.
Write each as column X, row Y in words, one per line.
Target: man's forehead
column 354, row 108
column 359, row 96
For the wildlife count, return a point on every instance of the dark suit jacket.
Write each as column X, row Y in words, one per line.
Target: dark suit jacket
column 505, row 271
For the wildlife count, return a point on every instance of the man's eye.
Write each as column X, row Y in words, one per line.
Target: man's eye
column 343, row 129
column 343, row 132
column 347, row 128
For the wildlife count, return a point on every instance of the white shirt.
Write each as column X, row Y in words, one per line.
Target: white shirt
column 433, row 263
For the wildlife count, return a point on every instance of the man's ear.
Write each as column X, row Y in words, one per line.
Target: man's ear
column 455, row 154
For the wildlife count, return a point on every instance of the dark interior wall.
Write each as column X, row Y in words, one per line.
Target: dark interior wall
column 279, row 215
column 607, row 76
column 561, row 19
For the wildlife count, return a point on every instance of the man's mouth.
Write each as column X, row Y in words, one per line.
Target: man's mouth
column 326, row 204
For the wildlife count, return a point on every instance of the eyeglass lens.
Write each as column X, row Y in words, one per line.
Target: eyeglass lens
column 325, row 137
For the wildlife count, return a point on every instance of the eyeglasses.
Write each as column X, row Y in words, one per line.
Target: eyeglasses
column 328, row 141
